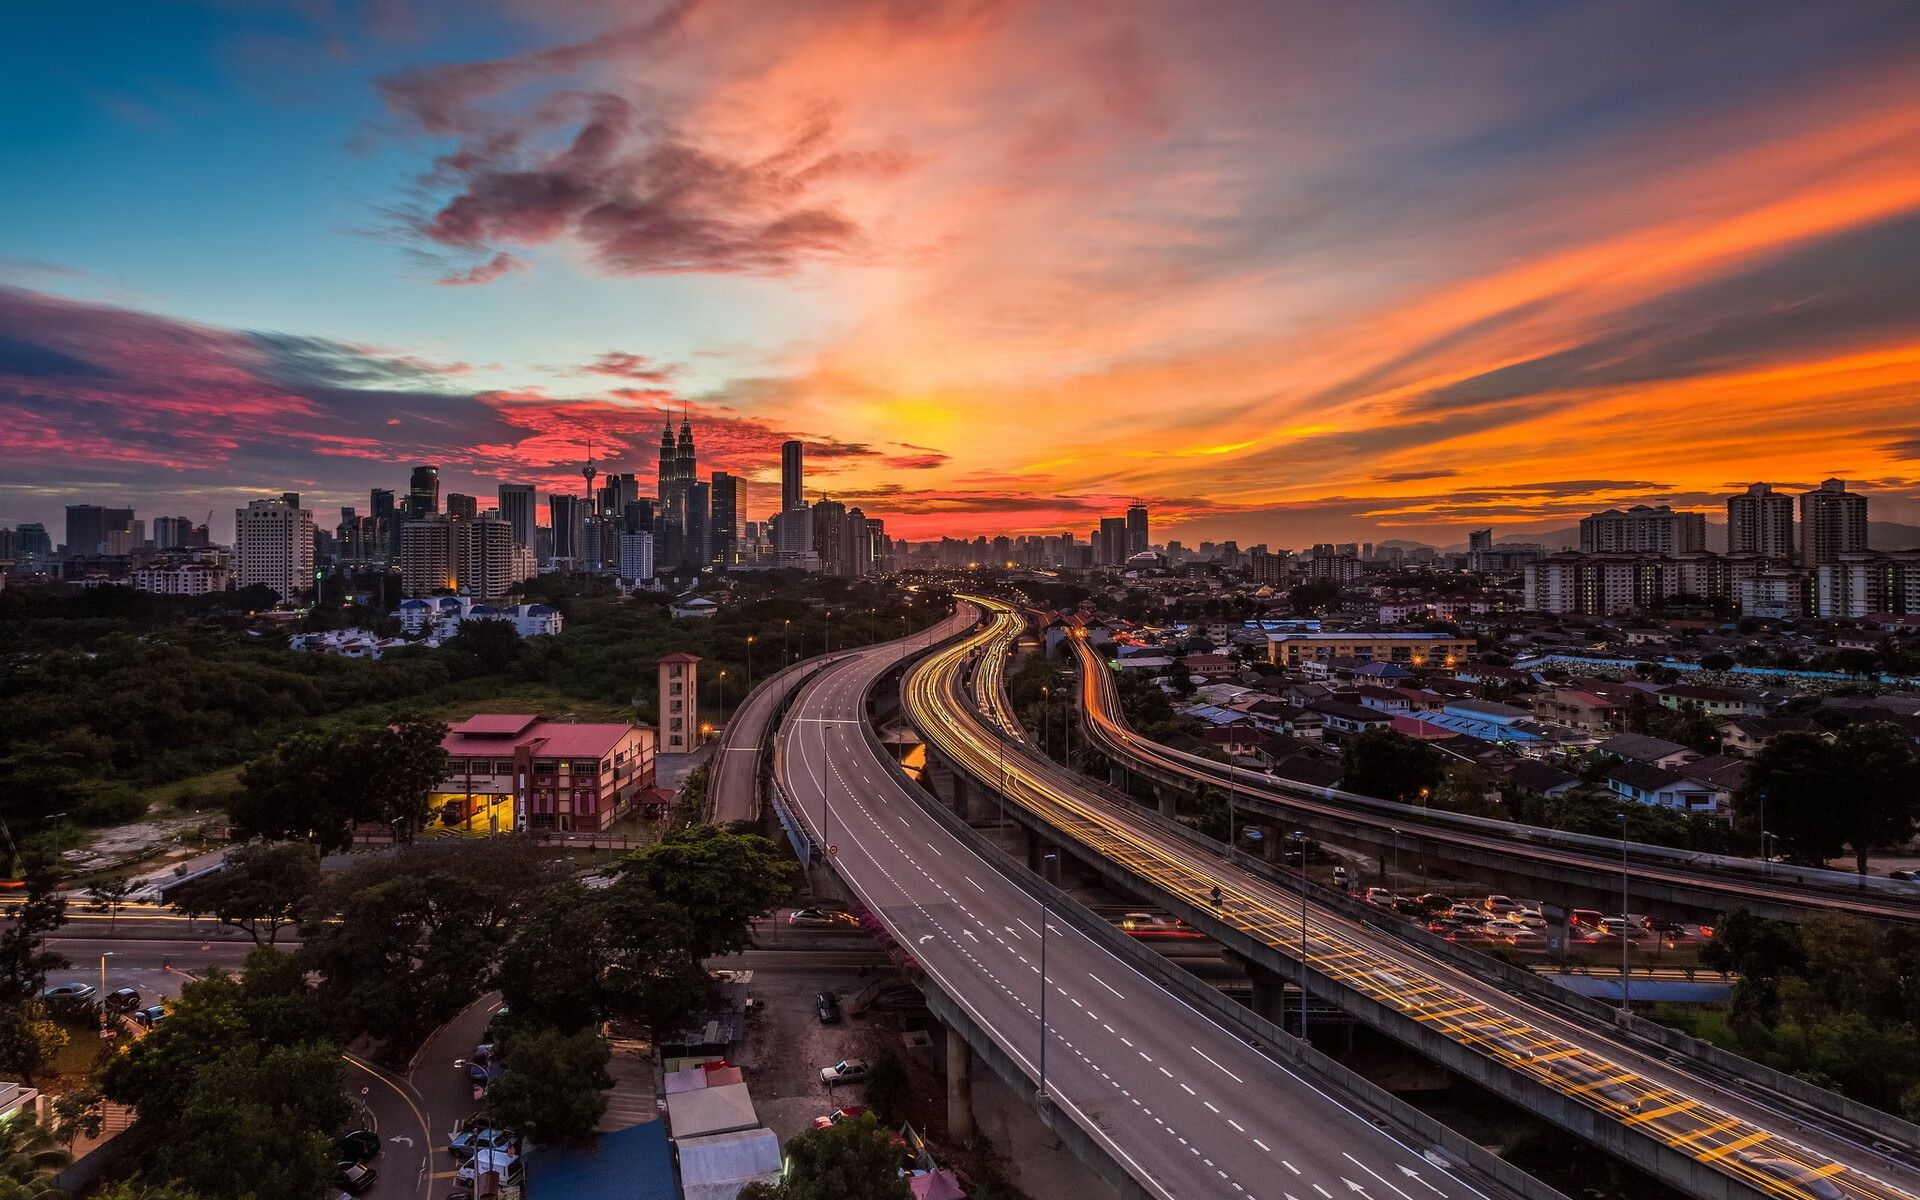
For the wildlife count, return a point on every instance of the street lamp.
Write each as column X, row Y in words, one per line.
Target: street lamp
column 1626, row 1000
column 786, row 637
column 1300, row 839
column 103, row 992
column 1046, row 705
column 1044, row 860
column 723, row 696
column 749, row 662
column 826, row 634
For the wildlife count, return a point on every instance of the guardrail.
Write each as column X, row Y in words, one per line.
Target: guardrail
column 1258, row 1032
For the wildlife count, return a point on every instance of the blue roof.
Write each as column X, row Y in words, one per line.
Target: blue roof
column 416, row 604
column 631, row 1164
column 539, row 610
column 1670, row 991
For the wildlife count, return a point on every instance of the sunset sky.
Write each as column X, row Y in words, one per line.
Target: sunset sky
column 1287, row 272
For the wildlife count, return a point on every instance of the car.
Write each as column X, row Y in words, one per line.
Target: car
column 1522, row 936
column 1817, row 1186
column 1500, row 904
column 852, row 1112
column 827, row 1006
column 148, row 1017
column 822, row 918
column 356, row 1177
column 472, row 1142
column 357, row 1145
column 850, row 1070
column 1621, row 927
column 1467, row 912
column 68, row 992
column 1154, row 925
column 1584, row 918
column 1436, row 902
column 1380, row 896
column 1409, row 906
column 122, row 1000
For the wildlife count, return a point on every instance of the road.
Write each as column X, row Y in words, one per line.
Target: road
column 733, row 792
column 1107, row 729
column 1188, row 1108
column 1736, row 1133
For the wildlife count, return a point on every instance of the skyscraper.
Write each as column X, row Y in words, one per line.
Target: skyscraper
column 1137, row 537
column 462, row 506
column 423, row 492
column 792, row 475
column 1833, row 521
column 89, row 524
column 829, row 522
column 1760, row 521
column 426, row 557
column 273, row 546
column 518, row 504
column 566, row 515
column 696, row 549
column 723, row 527
column 171, row 533
column 1110, row 541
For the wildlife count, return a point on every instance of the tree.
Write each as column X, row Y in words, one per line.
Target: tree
column 1879, row 794
column 1389, row 765
column 24, row 958
column 484, row 648
column 110, row 894
column 29, row 1159
column 554, row 967
column 854, row 1160
column 257, row 1124
column 315, row 785
column 1760, row 953
column 405, row 763
column 1860, row 788
column 29, row 1039
column 553, row 1086
column 718, row 876
column 1790, row 787
column 1465, row 788
column 261, row 889
column 1312, row 597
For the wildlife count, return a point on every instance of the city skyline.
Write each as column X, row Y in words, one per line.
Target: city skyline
column 1255, row 272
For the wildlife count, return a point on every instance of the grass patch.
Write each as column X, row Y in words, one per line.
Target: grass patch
column 194, row 794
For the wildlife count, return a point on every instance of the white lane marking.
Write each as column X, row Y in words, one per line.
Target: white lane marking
column 1369, row 1170
column 1103, row 983
column 1209, row 1058
column 976, row 887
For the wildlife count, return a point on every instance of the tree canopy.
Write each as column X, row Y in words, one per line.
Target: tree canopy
column 261, row 889
column 554, row 1085
column 1857, row 788
column 1389, row 766
column 854, row 1160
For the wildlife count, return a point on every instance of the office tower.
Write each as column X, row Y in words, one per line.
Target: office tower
column 423, row 492
column 1833, row 521
column 426, row 557
column 792, row 475
column 829, row 520
column 567, row 516
column 31, row 540
column 89, row 524
column 856, row 551
column 697, row 547
column 1137, row 539
column 171, row 533
column 1760, row 521
column 878, row 551
column 273, row 547
column 793, row 539
column 462, row 506
column 385, row 531
column 637, row 517
column 664, row 473
column 1643, row 529
column 517, row 507
column 1111, row 538
column 636, row 556
column 723, row 527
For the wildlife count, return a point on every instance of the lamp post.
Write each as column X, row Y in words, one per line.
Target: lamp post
column 749, row 662
column 103, row 992
column 786, row 640
column 723, row 697
column 826, row 633
column 1045, row 859
column 1626, row 1000
column 1046, row 705
column 1300, row 839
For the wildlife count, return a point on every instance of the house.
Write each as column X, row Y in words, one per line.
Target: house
column 1658, row 752
column 1344, row 717
column 692, row 608
column 1386, row 700
column 1645, row 783
column 1211, row 667
column 1713, row 701
column 441, row 617
column 346, row 643
column 1577, row 709
column 1747, row 735
column 1537, row 778
column 509, row 772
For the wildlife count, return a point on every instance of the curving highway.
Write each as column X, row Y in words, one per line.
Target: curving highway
column 1189, row 1109
column 1766, row 1150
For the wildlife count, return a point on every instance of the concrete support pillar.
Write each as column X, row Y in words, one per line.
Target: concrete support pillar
column 1033, row 849
column 960, row 789
column 959, row 1087
column 1556, row 915
column 1167, row 799
column 1117, row 775
column 1269, row 993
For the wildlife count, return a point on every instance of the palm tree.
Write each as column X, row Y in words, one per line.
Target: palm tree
column 29, row 1159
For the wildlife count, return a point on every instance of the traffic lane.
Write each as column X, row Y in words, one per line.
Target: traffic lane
column 1133, row 1068
column 143, row 964
column 438, row 1077
column 405, row 1141
column 1117, row 1040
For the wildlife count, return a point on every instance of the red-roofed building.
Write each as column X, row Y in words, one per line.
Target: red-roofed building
column 509, row 771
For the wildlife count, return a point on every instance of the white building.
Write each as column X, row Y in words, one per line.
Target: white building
column 440, row 618
column 346, row 643
column 273, row 546
column 636, row 556
column 182, row 579
column 1773, row 595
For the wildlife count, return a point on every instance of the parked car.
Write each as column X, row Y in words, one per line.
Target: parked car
column 68, row 992
column 122, row 1000
column 851, row 1070
column 148, row 1017
column 358, row 1145
column 822, row 918
column 356, row 1177
column 827, row 1005
column 852, row 1112
column 483, row 1136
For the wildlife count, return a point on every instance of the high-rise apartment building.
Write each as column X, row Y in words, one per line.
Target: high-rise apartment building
column 1138, row 539
column 518, row 504
column 171, row 533
column 696, row 502
column 1833, row 521
column 792, row 475
column 829, row 527
column 1110, row 541
column 462, row 506
column 485, row 563
column 426, row 557
column 423, row 492
column 1760, row 521
column 273, row 547
column 793, row 539
column 1643, row 529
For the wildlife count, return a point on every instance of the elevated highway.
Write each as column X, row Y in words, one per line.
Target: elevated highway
column 1704, row 1138
column 1567, row 870
column 1182, row 1107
